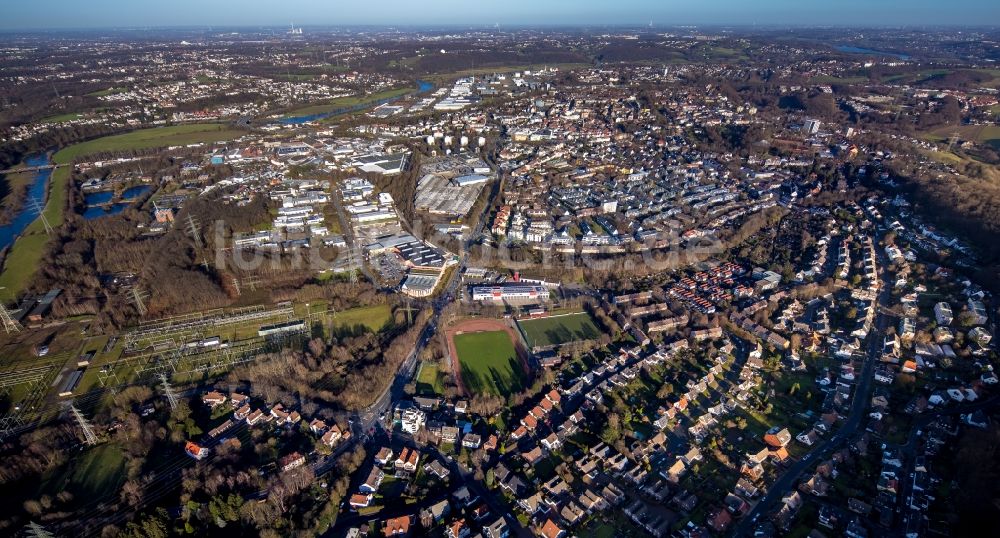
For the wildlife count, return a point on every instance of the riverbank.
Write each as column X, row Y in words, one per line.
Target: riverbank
column 26, row 254
column 13, row 191
column 353, row 103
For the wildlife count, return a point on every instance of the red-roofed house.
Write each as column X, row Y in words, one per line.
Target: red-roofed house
column 397, row 526
column 721, row 520
column 458, row 529
column 383, row 456
column 529, row 422
column 213, row 399
column 317, row 426
column 331, row 437
column 361, row 500
column 408, row 459
column 292, row 461
column 551, row 530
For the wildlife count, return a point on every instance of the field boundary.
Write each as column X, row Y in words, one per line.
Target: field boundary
column 525, row 325
column 478, row 325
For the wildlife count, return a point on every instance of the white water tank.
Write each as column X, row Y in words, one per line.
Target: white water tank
column 430, row 140
column 464, row 141
column 447, row 140
column 481, row 141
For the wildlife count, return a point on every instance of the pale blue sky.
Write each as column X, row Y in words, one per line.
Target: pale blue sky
column 35, row 14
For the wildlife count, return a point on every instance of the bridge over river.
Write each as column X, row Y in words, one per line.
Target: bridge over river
column 38, row 168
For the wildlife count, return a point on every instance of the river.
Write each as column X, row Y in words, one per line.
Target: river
column 27, row 213
column 422, row 86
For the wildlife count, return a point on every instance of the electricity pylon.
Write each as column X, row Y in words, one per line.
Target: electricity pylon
column 88, row 430
column 168, row 391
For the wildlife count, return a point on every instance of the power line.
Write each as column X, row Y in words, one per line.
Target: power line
column 41, row 213
column 138, row 299
column 251, row 282
column 10, row 324
column 168, row 391
column 88, row 430
column 352, row 269
column 37, row 531
column 193, row 230
column 952, row 139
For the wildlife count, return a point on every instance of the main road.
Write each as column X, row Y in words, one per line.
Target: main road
column 365, row 420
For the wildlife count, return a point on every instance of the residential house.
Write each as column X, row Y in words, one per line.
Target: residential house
column 407, row 460
column 550, row 530
column 437, row 469
column 720, row 521
column 317, row 426
column 691, row 456
column 676, row 471
column 242, row 413
column 256, row 417
column 572, row 513
column 497, row 529
column 449, row 434
column 435, row 513
column 213, row 399
column 397, row 526
column 360, row 500
column 472, row 441
column 374, row 480
column 331, row 437
column 532, row 456
column 383, row 456
column 552, row 442
column 458, row 529
column 426, row 404
column 292, row 461
column 510, row 482
column 533, row 504
column 777, row 437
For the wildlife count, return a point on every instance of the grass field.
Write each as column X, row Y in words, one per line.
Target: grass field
column 94, row 474
column 28, row 250
column 109, row 91
column 558, row 330
column 20, row 265
column 979, row 133
column 61, row 117
column 489, row 363
column 373, row 317
column 429, row 381
column 342, row 102
column 175, row 135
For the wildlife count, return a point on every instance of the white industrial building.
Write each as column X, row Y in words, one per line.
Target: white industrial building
column 515, row 292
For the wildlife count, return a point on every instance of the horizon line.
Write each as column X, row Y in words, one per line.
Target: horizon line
column 507, row 26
